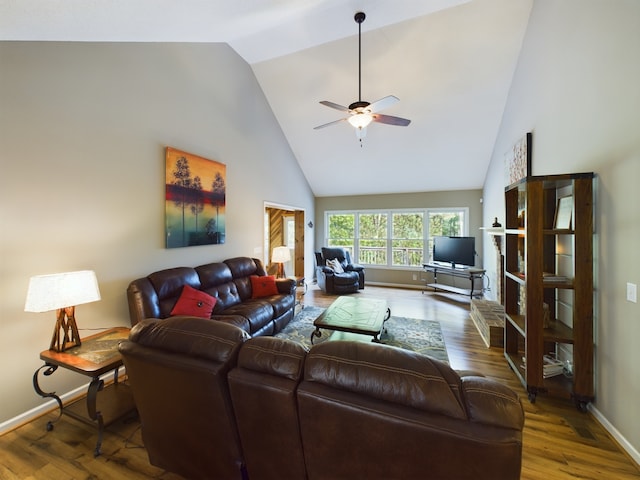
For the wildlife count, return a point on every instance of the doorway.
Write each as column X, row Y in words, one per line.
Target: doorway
column 284, row 226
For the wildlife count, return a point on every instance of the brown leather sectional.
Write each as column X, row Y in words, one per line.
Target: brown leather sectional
column 216, row 404
column 155, row 295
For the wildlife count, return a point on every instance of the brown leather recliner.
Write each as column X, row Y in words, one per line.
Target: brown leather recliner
column 349, row 281
column 177, row 369
column 263, row 389
column 377, row 412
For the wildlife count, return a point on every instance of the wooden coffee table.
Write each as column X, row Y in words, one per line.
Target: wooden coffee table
column 365, row 316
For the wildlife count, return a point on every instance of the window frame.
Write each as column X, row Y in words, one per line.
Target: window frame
column 427, row 240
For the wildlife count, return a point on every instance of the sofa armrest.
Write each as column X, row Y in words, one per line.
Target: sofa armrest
column 492, row 403
column 273, row 356
column 143, row 301
column 325, row 270
column 286, row 286
column 354, row 267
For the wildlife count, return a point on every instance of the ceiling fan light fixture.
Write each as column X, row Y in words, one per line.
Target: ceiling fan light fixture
column 362, row 113
column 360, row 120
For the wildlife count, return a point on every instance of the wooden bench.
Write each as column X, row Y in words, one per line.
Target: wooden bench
column 488, row 316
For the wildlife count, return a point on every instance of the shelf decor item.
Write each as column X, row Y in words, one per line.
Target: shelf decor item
column 564, row 212
column 517, row 161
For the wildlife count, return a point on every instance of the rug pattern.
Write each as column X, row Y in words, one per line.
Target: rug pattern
column 422, row 336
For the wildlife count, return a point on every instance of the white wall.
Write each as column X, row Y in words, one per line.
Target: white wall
column 83, row 129
column 576, row 87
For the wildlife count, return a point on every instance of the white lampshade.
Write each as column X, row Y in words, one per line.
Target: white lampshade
column 61, row 290
column 281, row 255
column 360, row 120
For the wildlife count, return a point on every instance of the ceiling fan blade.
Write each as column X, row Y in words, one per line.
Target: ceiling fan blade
column 389, row 120
column 329, row 124
column 334, row 105
column 383, row 103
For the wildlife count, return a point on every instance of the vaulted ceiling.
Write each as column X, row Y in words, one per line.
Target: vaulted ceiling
column 450, row 62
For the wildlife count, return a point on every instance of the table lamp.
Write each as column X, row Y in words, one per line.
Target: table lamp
column 62, row 292
column 281, row 255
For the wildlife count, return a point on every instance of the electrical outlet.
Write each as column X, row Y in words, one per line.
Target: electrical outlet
column 632, row 292
column 415, row 276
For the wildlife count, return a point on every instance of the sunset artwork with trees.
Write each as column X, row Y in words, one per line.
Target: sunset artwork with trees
column 194, row 200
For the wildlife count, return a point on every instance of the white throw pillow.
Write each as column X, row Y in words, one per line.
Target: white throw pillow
column 334, row 264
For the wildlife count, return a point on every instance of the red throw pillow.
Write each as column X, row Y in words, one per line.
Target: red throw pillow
column 263, row 286
column 194, row 302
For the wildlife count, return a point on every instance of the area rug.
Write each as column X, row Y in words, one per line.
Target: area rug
column 422, row 336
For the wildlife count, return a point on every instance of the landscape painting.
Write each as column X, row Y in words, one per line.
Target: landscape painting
column 195, row 200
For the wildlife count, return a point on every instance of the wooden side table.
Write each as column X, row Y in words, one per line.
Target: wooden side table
column 97, row 355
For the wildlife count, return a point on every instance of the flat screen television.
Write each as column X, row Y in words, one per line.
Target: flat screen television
column 458, row 251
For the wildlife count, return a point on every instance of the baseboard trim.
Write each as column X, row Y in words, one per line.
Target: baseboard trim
column 50, row 405
column 615, row 433
column 394, row 285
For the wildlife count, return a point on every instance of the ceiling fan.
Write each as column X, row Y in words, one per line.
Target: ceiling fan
column 362, row 113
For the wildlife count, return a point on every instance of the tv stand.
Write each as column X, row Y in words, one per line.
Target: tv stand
column 471, row 273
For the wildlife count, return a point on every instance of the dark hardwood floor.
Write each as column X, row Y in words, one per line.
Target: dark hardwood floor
column 559, row 442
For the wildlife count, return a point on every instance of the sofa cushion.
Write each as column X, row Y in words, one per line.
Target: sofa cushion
column 274, row 356
column 168, row 286
column 236, row 320
column 241, row 269
column 213, row 274
column 226, row 296
column 195, row 337
column 386, row 373
column 346, row 278
column 281, row 304
column 337, row 253
column 263, row 286
column 194, row 302
column 258, row 312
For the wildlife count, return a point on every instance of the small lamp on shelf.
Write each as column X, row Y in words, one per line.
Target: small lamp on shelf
column 62, row 292
column 281, row 255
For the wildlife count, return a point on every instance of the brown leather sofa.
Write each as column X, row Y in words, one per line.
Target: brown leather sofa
column 215, row 404
column 229, row 282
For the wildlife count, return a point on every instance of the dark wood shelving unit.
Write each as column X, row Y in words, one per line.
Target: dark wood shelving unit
column 536, row 252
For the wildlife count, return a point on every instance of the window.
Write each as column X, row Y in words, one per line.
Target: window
column 372, row 238
column 341, row 230
column 393, row 238
column 408, row 239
